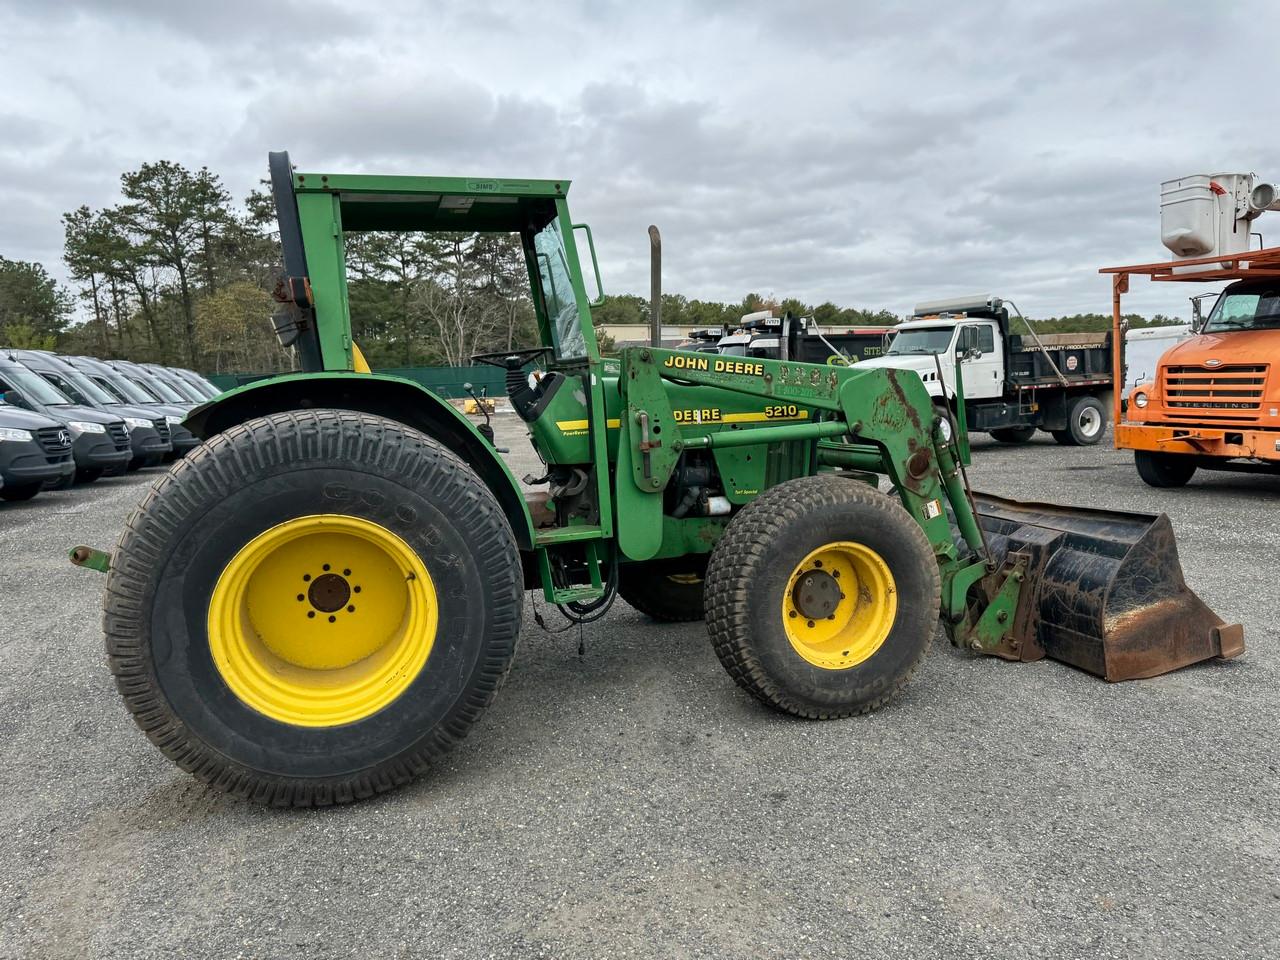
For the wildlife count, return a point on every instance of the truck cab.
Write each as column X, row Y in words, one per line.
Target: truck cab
column 925, row 344
column 1012, row 384
column 1221, row 376
column 1214, row 401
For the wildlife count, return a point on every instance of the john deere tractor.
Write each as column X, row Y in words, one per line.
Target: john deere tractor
column 324, row 597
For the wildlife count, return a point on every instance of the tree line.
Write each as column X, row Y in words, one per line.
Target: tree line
column 178, row 273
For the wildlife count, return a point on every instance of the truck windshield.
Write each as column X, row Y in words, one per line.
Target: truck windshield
column 1245, row 311
column 557, row 291
column 921, row 340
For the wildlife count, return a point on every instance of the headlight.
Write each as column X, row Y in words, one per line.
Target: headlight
column 137, row 423
column 172, row 421
column 9, row 433
column 84, row 426
column 1139, row 400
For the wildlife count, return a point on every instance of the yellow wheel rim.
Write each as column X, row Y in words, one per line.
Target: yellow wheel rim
column 322, row 620
column 839, row 605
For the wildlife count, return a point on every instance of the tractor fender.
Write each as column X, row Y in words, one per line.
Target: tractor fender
column 392, row 397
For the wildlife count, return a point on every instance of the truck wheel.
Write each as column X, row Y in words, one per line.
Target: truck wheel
column 1013, row 434
column 19, row 491
column 822, row 597
column 1164, row 469
column 313, row 607
column 1086, row 423
column 667, row 590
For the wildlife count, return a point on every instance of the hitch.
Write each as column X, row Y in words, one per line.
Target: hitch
column 91, row 559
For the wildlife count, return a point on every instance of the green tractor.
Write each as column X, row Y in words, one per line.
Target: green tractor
column 324, row 597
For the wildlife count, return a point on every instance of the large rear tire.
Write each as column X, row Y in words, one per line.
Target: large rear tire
column 313, row 607
column 670, row 590
column 822, row 597
column 1164, row 470
column 1086, row 423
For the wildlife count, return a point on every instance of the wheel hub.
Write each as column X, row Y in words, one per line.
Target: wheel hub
column 816, row 594
column 329, row 592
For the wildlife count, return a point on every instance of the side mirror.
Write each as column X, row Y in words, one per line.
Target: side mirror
column 1197, row 315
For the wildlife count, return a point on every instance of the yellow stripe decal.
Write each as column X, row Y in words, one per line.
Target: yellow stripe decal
column 567, row 425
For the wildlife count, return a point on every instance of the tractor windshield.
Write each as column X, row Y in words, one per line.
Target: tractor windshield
column 557, row 291
column 921, row 340
column 1255, row 310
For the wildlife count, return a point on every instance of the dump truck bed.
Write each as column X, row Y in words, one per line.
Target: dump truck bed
column 1083, row 359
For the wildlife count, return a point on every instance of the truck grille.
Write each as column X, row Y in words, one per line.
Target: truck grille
column 1234, row 387
column 162, row 428
column 55, row 441
column 119, row 434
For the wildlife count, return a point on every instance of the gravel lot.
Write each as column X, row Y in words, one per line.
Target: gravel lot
column 633, row 803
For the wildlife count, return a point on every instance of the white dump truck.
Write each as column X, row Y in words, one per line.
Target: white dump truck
column 1013, row 384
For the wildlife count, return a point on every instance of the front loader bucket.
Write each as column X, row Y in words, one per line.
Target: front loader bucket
column 1106, row 592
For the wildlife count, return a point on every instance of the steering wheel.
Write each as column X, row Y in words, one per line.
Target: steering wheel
column 500, row 359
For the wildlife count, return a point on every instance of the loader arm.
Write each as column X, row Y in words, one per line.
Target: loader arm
column 881, row 420
column 1104, row 593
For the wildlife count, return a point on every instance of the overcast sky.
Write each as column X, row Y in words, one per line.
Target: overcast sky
column 826, row 150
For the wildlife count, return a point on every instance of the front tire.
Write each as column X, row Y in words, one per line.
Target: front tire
column 1086, row 423
column 816, row 546
column 313, row 607
column 1164, row 470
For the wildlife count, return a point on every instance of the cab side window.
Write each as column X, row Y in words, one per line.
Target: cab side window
column 986, row 339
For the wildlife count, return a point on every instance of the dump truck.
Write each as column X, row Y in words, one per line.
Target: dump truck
column 1214, row 402
column 321, row 600
column 1013, row 384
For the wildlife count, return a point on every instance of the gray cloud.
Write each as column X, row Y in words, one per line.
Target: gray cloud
column 869, row 154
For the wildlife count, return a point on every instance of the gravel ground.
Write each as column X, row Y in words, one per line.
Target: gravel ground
column 633, row 803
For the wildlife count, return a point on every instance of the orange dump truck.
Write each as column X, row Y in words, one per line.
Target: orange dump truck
column 1214, row 402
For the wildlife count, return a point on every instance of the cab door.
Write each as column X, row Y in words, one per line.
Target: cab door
column 981, row 364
